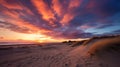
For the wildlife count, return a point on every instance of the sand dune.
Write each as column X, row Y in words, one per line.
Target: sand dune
column 95, row 52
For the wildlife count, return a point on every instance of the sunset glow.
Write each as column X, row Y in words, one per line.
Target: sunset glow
column 57, row 20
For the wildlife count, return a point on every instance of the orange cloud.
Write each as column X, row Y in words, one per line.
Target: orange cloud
column 70, row 14
column 16, row 20
column 43, row 9
column 12, row 14
column 47, row 11
column 85, row 26
column 1, row 37
column 33, row 28
column 67, row 18
column 11, row 6
column 57, row 7
column 75, row 3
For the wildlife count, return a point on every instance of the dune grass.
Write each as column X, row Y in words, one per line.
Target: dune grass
column 99, row 37
column 105, row 45
column 77, row 43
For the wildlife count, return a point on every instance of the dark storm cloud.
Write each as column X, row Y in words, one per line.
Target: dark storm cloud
column 59, row 18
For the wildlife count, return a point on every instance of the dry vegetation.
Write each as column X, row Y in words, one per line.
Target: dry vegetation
column 69, row 42
column 77, row 43
column 89, row 41
column 105, row 45
column 99, row 38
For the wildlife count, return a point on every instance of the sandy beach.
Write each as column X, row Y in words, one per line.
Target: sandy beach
column 57, row 55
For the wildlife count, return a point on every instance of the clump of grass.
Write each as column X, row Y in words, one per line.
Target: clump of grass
column 105, row 45
column 68, row 42
column 77, row 43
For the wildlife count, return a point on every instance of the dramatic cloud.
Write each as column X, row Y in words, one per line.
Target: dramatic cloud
column 59, row 18
column 1, row 37
column 44, row 10
column 15, row 27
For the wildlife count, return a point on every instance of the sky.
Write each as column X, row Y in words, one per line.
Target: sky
column 57, row 20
